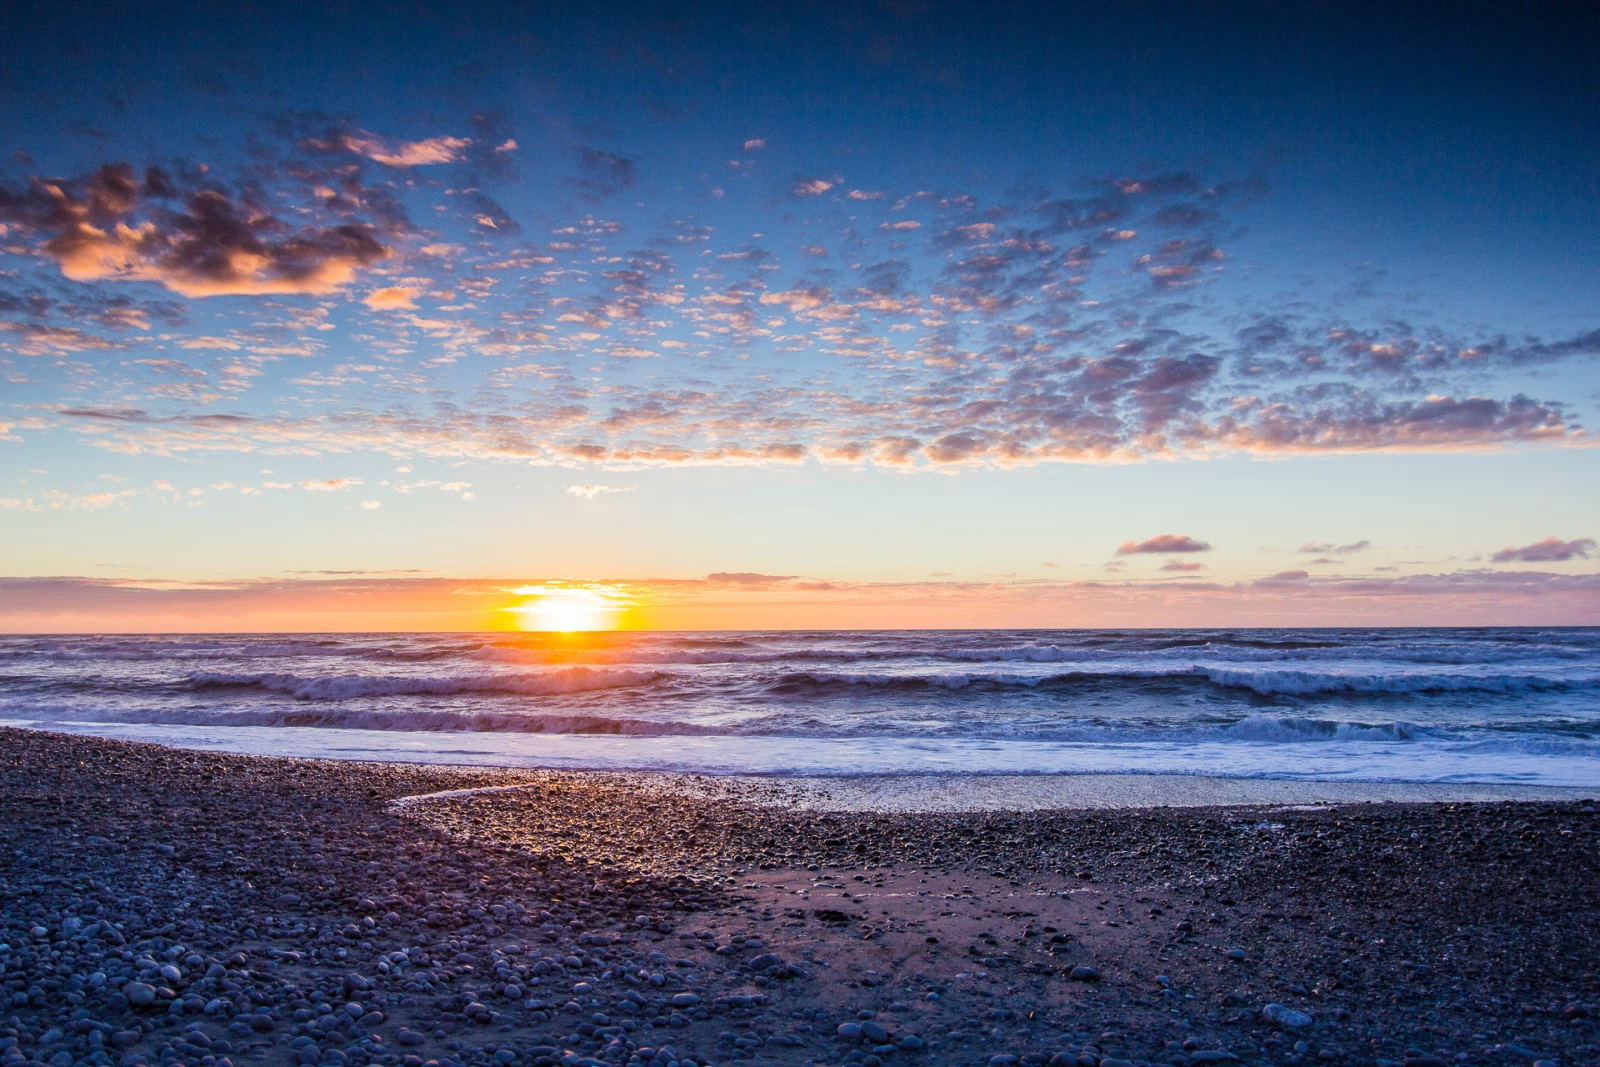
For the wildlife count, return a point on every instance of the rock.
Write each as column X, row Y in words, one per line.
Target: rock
column 139, row 994
column 409, row 1037
column 849, row 1031
column 1236, row 954
column 874, row 1032
column 1084, row 974
column 1212, row 1055
column 1286, row 1018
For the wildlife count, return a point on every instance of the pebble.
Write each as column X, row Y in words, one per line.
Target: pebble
column 1287, row 1018
column 298, row 919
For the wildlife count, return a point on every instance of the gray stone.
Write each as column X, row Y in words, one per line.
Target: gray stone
column 1287, row 1018
column 139, row 994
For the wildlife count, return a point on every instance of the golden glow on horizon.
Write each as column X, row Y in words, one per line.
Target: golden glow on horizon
column 561, row 609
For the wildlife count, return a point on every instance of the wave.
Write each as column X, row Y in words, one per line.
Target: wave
column 1263, row 682
column 1254, row 733
column 411, row 720
column 350, row 686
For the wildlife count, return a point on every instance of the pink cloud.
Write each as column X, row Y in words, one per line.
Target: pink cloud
column 106, row 228
column 1162, row 543
column 431, row 151
column 1550, row 550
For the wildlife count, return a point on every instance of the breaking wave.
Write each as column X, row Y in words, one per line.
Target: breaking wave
column 353, row 686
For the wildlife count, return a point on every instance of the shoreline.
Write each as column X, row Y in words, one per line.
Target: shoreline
column 325, row 912
column 941, row 789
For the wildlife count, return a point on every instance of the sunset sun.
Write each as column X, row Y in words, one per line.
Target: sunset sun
column 564, row 610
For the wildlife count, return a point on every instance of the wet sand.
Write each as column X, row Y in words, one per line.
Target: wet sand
column 324, row 912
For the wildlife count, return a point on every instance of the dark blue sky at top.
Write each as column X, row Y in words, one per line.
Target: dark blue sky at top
column 1453, row 142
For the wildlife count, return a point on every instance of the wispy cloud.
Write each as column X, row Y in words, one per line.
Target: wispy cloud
column 1328, row 548
column 428, row 152
column 1550, row 550
column 589, row 492
column 1162, row 543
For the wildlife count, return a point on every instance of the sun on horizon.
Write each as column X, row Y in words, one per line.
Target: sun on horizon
column 564, row 609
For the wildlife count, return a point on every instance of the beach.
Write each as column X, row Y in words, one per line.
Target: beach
column 166, row 906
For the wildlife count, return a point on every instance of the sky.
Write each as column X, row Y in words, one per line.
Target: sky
column 392, row 317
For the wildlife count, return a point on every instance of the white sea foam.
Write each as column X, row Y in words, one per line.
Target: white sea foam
column 1349, row 761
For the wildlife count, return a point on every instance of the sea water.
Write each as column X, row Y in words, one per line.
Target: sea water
column 1409, row 705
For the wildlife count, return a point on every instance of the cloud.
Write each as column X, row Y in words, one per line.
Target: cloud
column 747, row 578
column 1181, row 566
column 1284, row 576
column 395, row 298
column 1162, row 543
column 1550, row 550
column 36, row 339
column 372, row 505
column 432, row 151
column 755, row 143
column 115, row 226
column 1000, row 333
column 589, row 492
column 329, row 485
column 604, row 174
column 1328, row 548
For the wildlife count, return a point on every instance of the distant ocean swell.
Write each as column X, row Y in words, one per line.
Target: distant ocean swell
column 1462, row 705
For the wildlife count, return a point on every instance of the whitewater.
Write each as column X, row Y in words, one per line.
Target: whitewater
column 1366, row 705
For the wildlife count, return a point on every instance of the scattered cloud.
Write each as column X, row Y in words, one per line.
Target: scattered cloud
column 424, row 153
column 747, row 578
column 1181, row 566
column 1328, row 548
column 604, row 174
column 1162, row 543
column 372, row 505
column 116, row 226
column 1550, row 550
column 395, row 298
column 329, row 485
column 1285, row 576
column 589, row 492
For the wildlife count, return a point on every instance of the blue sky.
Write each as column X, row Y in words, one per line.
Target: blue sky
column 904, row 295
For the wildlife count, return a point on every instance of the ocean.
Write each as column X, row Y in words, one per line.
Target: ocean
column 1397, row 705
